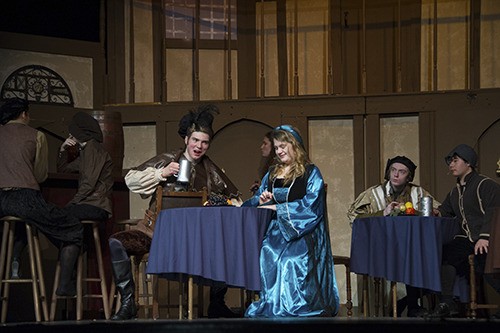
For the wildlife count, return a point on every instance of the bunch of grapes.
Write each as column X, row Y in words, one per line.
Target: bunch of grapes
column 215, row 199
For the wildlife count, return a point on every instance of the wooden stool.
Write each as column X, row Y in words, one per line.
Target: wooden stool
column 80, row 279
column 36, row 279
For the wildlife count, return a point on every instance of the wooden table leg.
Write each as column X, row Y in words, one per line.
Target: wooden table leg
column 394, row 299
column 190, row 297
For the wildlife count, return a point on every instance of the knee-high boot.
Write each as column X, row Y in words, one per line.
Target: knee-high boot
column 67, row 258
column 124, row 281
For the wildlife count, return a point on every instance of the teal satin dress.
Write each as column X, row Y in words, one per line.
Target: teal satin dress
column 296, row 263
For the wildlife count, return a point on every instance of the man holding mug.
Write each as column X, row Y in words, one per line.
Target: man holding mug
column 196, row 130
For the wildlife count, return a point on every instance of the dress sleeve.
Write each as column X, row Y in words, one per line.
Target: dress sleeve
column 254, row 201
column 299, row 217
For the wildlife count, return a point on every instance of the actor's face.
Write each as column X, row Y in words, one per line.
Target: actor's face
column 458, row 167
column 284, row 151
column 197, row 145
column 399, row 174
column 266, row 147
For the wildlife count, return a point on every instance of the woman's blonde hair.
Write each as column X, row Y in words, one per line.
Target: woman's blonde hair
column 298, row 166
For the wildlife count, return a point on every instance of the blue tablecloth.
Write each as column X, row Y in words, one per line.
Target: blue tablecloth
column 401, row 248
column 212, row 244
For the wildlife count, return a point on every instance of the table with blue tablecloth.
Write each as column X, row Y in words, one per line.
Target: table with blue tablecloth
column 403, row 249
column 215, row 244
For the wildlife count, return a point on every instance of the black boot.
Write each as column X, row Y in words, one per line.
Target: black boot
column 67, row 258
column 125, row 284
column 217, row 307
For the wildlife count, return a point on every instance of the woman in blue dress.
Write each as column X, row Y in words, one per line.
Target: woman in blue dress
column 296, row 263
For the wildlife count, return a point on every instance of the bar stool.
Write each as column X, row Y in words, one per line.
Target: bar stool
column 81, row 279
column 36, row 279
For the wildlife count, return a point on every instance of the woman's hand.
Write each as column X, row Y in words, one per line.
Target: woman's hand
column 265, row 197
column 171, row 169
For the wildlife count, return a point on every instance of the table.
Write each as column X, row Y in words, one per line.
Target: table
column 209, row 245
column 403, row 249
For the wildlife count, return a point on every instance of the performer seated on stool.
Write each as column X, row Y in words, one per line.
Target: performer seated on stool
column 23, row 165
column 196, row 130
column 83, row 153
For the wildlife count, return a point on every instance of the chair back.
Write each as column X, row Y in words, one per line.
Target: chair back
column 173, row 199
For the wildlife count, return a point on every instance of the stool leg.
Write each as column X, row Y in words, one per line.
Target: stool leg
column 102, row 277
column 112, row 295
column 53, row 302
column 3, row 251
column 34, row 275
column 8, row 260
column 41, row 279
column 79, row 288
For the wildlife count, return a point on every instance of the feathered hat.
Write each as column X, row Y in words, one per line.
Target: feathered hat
column 199, row 120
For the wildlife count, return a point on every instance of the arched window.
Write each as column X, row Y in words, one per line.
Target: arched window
column 37, row 84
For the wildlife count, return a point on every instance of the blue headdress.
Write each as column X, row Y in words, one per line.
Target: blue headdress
column 292, row 131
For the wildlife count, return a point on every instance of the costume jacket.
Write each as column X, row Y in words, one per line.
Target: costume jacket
column 94, row 167
column 473, row 204
column 29, row 146
column 145, row 178
column 373, row 201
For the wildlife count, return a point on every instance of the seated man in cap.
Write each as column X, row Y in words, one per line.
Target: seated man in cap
column 83, row 153
column 380, row 200
column 472, row 201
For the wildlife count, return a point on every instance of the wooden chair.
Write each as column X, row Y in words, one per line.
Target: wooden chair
column 165, row 200
column 476, row 290
column 147, row 286
column 341, row 260
column 36, row 279
column 81, row 279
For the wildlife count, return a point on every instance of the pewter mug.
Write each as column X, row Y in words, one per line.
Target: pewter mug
column 184, row 171
column 426, row 206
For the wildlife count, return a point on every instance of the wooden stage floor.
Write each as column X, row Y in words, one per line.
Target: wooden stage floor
column 289, row 325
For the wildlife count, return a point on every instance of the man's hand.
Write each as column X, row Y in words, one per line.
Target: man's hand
column 68, row 143
column 390, row 207
column 171, row 169
column 481, row 246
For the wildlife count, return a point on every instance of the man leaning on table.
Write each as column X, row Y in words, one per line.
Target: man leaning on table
column 196, row 130
column 472, row 201
column 380, row 200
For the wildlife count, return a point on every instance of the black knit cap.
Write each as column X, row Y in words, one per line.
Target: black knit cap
column 199, row 120
column 12, row 108
column 85, row 127
column 403, row 160
column 465, row 152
